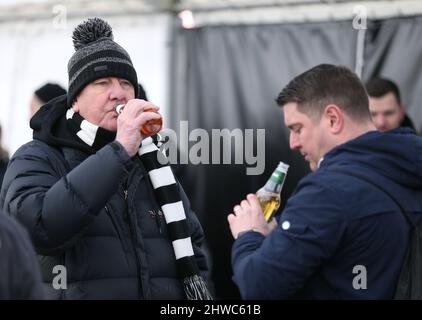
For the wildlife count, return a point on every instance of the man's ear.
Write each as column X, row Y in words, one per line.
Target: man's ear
column 334, row 117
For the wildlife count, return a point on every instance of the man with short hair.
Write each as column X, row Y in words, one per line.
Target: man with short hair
column 340, row 236
column 92, row 194
column 387, row 110
column 44, row 94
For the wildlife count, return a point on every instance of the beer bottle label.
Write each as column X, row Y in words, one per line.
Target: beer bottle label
column 277, row 177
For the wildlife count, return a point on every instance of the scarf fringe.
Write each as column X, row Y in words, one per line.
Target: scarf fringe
column 196, row 288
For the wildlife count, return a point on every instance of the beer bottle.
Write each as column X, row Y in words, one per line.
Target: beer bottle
column 151, row 127
column 269, row 194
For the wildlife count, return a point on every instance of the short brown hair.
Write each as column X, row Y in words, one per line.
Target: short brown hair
column 314, row 89
column 378, row 87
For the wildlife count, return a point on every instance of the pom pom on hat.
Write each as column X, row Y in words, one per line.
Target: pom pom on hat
column 90, row 31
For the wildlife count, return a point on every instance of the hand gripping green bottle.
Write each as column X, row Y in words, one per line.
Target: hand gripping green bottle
column 269, row 194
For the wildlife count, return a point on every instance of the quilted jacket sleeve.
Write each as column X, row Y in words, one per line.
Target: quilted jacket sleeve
column 54, row 207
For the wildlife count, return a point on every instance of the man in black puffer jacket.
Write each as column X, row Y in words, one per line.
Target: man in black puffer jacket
column 87, row 198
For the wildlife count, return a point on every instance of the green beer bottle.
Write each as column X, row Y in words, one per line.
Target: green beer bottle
column 269, row 194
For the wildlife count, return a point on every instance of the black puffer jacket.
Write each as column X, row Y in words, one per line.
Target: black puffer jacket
column 93, row 213
column 20, row 276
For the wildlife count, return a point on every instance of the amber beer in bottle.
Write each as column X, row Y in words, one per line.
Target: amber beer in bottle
column 269, row 194
column 150, row 127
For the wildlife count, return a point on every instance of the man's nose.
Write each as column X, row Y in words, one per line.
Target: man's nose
column 117, row 91
column 379, row 122
column 294, row 142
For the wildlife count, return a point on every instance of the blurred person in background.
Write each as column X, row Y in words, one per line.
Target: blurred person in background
column 142, row 93
column 4, row 157
column 387, row 110
column 20, row 276
column 44, row 94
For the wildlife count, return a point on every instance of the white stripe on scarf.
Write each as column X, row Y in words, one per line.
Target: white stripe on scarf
column 161, row 177
column 173, row 211
column 88, row 130
column 183, row 248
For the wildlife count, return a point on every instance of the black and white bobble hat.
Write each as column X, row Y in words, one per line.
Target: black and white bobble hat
column 97, row 56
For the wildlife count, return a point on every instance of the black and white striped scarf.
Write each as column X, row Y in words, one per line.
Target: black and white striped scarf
column 168, row 197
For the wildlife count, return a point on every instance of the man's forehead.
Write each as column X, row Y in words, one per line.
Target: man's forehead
column 292, row 115
column 383, row 109
column 387, row 101
column 290, row 108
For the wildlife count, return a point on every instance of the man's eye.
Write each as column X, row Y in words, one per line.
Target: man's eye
column 125, row 83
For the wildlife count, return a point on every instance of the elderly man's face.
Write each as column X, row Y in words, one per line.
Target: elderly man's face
column 97, row 100
column 386, row 112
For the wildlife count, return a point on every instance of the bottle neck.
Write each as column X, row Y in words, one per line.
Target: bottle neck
column 275, row 183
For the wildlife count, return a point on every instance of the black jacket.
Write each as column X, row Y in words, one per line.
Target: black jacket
column 20, row 276
column 4, row 160
column 93, row 213
column 407, row 122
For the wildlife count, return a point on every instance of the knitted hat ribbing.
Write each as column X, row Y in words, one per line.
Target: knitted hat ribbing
column 97, row 56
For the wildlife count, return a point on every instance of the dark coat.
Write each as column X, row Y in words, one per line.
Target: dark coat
column 4, row 160
column 339, row 237
column 407, row 123
column 20, row 276
column 95, row 214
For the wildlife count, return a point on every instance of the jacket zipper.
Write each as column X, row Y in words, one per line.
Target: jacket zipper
column 133, row 238
column 116, row 226
column 158, row 218
column 159, row 215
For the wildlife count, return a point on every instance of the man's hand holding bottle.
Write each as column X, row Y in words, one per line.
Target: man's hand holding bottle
column 133, row 116
column 248, row 216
